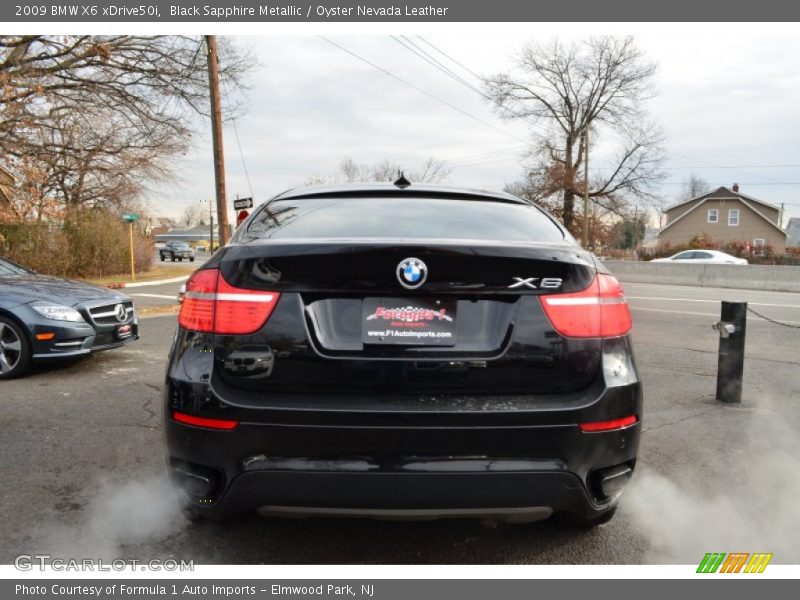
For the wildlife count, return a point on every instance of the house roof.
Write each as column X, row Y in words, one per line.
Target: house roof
column 721, row 192
column 724, row 193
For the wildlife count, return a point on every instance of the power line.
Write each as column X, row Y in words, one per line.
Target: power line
column 785, row 166
column 757, row 183
column 487, row 162
column 238, row 142
column 409, row 45
column 450, row 73
column 495, row 153
column 447, row 56
column 419, row 52
column 717, row 166
column 421, row 90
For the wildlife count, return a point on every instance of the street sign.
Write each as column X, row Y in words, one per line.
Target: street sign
column 130, row 217
column 242, row 203
column 241, row 217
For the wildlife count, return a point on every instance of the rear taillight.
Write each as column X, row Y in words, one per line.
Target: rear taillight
column 197, row 310
column 611, row 425
column 225, row 424
column 212, row 305
column 600, row 310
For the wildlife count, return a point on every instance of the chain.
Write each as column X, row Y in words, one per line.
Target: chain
column 782, row 324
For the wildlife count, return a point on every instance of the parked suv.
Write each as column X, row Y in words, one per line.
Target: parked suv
column 176, row 251
column 413, row 352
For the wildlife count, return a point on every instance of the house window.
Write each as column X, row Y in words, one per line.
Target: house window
column 759, row 242
column 733, row 217
column 713, row 215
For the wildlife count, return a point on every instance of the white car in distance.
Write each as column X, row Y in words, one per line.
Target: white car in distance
column 702, row 257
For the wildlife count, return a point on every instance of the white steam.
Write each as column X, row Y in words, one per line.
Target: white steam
column 119, row 515
column 747, row 502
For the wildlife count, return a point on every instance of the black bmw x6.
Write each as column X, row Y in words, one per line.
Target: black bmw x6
column 420, row 352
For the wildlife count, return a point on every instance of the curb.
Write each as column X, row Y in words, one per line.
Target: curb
column 146, row 283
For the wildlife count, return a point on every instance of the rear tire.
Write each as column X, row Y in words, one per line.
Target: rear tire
column 173, row 258
column 16, row 354
column 191, row 259
column 162, row 257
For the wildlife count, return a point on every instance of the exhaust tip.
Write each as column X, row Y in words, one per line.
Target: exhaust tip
column 201, row 484
column 609, row 482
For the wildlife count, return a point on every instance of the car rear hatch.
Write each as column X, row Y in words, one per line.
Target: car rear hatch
column 483, row 300
column 300, row 312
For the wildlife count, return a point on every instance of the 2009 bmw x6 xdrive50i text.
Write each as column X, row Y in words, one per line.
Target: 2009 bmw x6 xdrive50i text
column 417, row 352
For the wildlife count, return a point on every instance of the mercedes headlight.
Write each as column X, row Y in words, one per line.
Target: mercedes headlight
column 57, row 312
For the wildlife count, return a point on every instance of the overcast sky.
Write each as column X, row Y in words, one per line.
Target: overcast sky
column 724, row 100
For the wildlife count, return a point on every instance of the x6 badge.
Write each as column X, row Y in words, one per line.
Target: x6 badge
column 546, row 283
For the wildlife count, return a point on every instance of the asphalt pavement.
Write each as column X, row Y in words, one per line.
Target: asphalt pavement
column 83, row 466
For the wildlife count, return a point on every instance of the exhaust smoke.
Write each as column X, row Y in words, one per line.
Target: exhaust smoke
column 740, row 496
column 118, row 516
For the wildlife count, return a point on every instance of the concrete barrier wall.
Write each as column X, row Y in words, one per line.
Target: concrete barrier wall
column 747, row 277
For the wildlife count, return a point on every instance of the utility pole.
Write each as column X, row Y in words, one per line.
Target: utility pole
column 216, row 133
column 780, row 217
column 586, row 187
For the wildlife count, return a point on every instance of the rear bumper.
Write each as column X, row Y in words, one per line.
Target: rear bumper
column 521, row 465
column 518, row 496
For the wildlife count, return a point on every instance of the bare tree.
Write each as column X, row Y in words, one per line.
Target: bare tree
column 693, row 187
column 192, row 215
column 94, row 158
column 431, row 171
column 151, row 80
column 598, row 86
column 91, row 119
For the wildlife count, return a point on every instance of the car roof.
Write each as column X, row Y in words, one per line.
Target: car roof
column 390, row 190
column 703, row 250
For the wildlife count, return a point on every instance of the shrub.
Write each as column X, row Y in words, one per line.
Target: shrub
column 89, row 243
column 38, row 246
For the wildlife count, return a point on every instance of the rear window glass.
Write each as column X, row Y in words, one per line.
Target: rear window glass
column 413, row 218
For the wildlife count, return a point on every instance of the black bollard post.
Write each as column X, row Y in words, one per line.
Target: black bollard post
column 730, row 366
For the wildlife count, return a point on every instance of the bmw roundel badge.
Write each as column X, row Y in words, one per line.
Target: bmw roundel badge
column 412, row 273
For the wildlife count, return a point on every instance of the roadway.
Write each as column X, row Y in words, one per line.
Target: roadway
column 82, row 458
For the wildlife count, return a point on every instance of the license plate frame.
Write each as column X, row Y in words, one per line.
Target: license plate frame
column 399, row 321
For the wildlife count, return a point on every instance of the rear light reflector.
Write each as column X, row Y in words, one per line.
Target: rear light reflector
column 212, row 305
column 600, row 310
column 608, row 425
column 224, row 424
